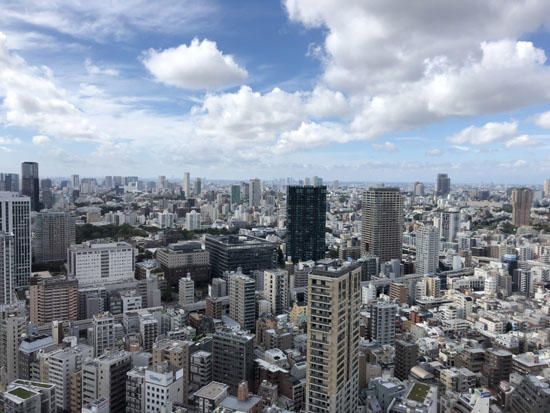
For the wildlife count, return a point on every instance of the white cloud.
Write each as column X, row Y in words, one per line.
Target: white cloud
column 9, row 141
column 521, row 141
column 386, row 147
column 543, row 120
column 41, row 140
column 434, row 152
column 460, row 148
column 197, row 66
column 96, row 70
column 489, row 133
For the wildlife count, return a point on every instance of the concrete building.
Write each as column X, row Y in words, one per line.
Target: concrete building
column 96, row 263
column 198, row 187
column 255, row 195
column 187, row 184
column 200, row 369
column 242, row 299
column 277, row 290
column 53, row 298
column 7, row 268
column 232, row 358
column 382, row 223
column 427, row 250
column 449, row 225
column 522, row 199
column 30, row 349
column 9, row 182
column 104, row 332
column 163, row 387
column 105, row 377
column 186, row 291
column 30, row 183
column 230, row 252
column 532, row 395
column 442, row 186
column 183, row 258
column 210, row 396
column 497, row 367
column 135, row 390
column 214, row 307
column 332, row 375
column 177, row 353
column 54, row 233
column 406, row 357
column 382, row 322
column 12, row 327
column 235, row 194
column 15, row 220
column 29, row 397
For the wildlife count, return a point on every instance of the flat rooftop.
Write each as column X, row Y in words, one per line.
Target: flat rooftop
column 212, row 390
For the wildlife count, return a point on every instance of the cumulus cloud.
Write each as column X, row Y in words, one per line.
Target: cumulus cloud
column 41, row 140
column 386, row 147
column 543, row 120
column 434, row 152
column 521, row 141
column 489, row 133
column 197, row 66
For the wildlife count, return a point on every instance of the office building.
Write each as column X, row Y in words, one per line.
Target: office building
column 427, row 250
column 54, row 233
column 177, row 353
column 29, row 397
column 184, row 258
column 232, row 358
column 255, row 192
column 200, row 369
column 104, row 332
column 97, row 263
column 332, row 369
column 105, row 377
column 193, row 221
column 230, row 252
column 30, row 183
column 382, row 322
column 497, row 367
column 210, row 396
column 135, row 390
column 197, row 188
column 306, row 208
column 7, row 268
column 235, row 194
column 242, row 301
column 398, row 291
column 442, row 185
column 9, row 182
column 418, row 189
column 163, row 386
column 53, row 298
column 15, row 219
column 12, row 327
column 187, row 184
column 532, row 395
column 406, row 357
column 382, row 223
column 277, row 290
column 28, row 359
column 448, row 225
column 317, row 181
column 186, row 291
column 522, row 199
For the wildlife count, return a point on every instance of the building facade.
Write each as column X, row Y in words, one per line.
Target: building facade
column 54, row 233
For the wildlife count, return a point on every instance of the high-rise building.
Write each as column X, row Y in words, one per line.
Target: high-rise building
column 277, row 290
column 197, row 188
column 406, row 357
column 94, row 263
column 255, row 193
column 135, row 390
column 182, row 258
column 242, row 301
column 232, row 358
column 7, row 268
column 306, row 208
column 187, row 184
column 442, row 185
column 30, row 349
column 332, row 369
column 15, row 219
column 108, row 182
column 75, row 181
column 12, row 326
column 30, row 183
column 53, row 299
column 418, row 189
column 163, row 386
column 382, row 223
column 382, row 322
column 522, row 199
column 427, row 250
column 532, row 395
column 316, row 181
column 186, row 291
column 497, row 367
column 105, row 377
column 235, row 194
column 177, row 353
column 200, row 369
column 448, row 225
column 9, row 182
column 104, row 332
column 546, row 187
column 54, row 233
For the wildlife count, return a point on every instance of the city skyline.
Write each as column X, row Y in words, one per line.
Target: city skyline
column 293, row 91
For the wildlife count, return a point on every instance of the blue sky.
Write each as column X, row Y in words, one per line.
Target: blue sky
column 344, row 89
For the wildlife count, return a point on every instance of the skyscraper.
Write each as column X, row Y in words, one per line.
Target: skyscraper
column 75, row 181
column 197, row 188
column 187, row 184
column 54, row 233
column 242, row 301
column 30, row 184
column 9, row 182
column 255, row 194
column 235, row 194
column 382, row 223
column 448, row 225
column 418, row 189
column 547, row 187
column 522, row 199
column 332, row 369
column 442, row 185
column 15, row 219
column 306, row 208
column 427, row 250
column 7, row 258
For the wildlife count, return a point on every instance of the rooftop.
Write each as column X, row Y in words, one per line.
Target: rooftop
column 419, row 392
column 212, row 390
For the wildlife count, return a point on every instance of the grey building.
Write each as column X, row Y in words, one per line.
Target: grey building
column 29, row 355
column 442, row 185
column 9, row 182
column 532, row 395
column 229, row 252
column 30, row 183
column 382, row 321
column 54, row 232
column 406, row 357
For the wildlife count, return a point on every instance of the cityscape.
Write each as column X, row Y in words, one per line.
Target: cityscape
column 295, row 206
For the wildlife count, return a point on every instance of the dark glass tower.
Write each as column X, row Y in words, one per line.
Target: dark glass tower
column 306, row 209
column 30, row 185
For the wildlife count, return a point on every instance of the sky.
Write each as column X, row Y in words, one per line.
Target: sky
column 383, row 90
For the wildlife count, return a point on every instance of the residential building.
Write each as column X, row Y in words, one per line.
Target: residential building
column 186, row 291
column 12, row 327
column 242, row 299
column 449, row 225
column 210, row 396
column 30, row 349
column 532, row 395
column 497, row 367
column 406, row 357
column 427, row 250
column 135, row 390
column 255, row 194
column 522, row 199
column 7, row 268
column 200, row 369
column 277, row 290
column 54, row 233
column 187, row 184
column 382, row 322
column 104, row 333
column 53, row 298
